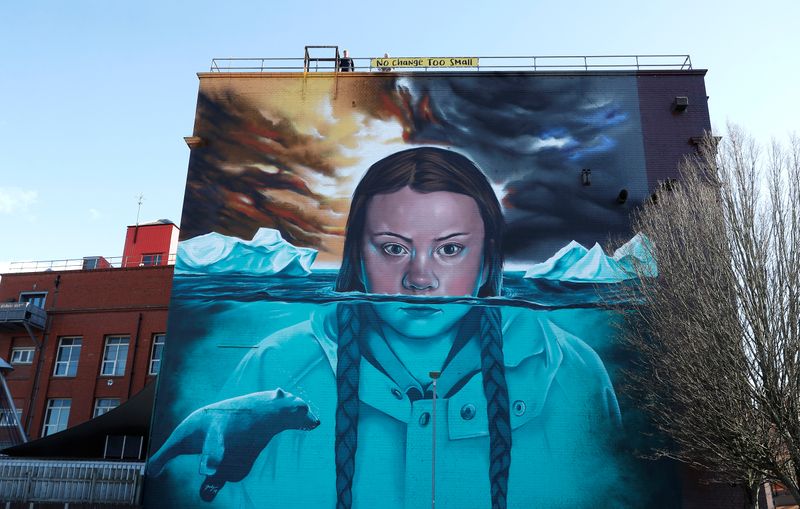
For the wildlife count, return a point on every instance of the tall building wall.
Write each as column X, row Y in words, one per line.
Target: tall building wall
column 670, row 134
column 349, row 238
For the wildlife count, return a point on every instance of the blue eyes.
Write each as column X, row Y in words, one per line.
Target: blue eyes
column 447, row 250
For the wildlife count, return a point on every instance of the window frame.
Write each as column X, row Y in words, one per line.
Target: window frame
column 20, row 349
column 50, row 410
column 116, row 361
column 151, row 259
column 68, row 362
column 23, row 297
column 106, row 408
column 5, row 422
column 153, row 360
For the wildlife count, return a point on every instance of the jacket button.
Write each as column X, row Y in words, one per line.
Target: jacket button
column 519, row 407
column 424, row 418
column 397, row 394
column 468, row 411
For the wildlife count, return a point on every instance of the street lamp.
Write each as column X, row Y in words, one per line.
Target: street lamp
column 434, row 376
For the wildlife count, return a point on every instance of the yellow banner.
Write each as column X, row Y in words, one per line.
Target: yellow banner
column 393, row 62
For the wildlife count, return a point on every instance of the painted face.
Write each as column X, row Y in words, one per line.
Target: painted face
column 423, row 244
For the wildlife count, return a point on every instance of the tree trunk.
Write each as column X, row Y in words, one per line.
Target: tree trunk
column 751, row 495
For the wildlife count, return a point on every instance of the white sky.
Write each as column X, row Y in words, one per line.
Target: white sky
column 95, row 97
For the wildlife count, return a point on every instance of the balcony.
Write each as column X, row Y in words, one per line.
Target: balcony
column 21, row 315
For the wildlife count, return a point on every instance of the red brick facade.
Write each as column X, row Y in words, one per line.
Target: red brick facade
column 93, row 305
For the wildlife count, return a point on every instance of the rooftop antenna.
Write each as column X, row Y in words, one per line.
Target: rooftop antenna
column 139, row 201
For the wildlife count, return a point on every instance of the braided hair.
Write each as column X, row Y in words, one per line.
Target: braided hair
column 496, row 392
column 424, row 170
column 349, row 318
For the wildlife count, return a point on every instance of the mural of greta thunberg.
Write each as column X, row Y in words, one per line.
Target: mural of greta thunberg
column 337, row 410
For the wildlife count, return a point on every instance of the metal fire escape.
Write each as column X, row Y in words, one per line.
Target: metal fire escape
column 16, row 316
column 22, row 315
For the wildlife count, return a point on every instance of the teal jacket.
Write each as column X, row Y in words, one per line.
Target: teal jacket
column 564, row 419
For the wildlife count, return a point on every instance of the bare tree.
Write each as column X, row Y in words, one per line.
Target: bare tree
column 718, row 331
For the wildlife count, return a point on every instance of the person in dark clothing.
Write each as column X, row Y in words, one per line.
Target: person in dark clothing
column 346, row 63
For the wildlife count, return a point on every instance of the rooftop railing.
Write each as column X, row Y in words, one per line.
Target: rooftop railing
column 567, row 63
column 93, row 263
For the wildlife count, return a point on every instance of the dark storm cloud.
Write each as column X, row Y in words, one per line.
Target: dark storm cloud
column 532, row 135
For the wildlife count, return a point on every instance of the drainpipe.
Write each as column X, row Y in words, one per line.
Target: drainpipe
column 135, row 349
column 40, row 360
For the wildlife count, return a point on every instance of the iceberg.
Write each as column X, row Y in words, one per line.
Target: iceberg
column 636, row 255
column 559, row 263
column 575, row 264
column 596, row 267
column 267, row 253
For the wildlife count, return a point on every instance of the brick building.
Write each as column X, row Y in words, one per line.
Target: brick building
column 84, row 338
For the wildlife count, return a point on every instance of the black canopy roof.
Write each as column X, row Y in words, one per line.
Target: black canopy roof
column 88, row 440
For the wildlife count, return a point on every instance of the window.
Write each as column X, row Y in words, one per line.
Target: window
column 115, row 356
column 35, row 298
column 158, row 350
column 69, row 350
column 21, row 355
column 151, row 259
column 124, row 447
column 8, row 419
column 56, row 417
column 94, row 262
column 103, row 405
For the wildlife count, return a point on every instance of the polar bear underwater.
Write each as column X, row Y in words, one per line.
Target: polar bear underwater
column 230, row 434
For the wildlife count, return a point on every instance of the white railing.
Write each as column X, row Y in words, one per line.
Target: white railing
column 92, row 263
column 491, row 63
column 94, row 482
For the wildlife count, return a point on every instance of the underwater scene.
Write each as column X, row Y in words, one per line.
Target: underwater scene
column 268, row 386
